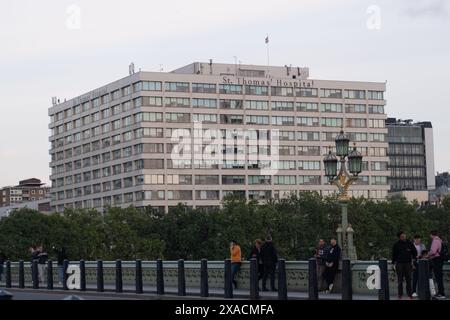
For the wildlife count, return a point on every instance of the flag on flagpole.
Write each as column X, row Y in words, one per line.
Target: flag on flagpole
column 267, row 39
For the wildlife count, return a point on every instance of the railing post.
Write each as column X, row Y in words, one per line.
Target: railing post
column 347, row 293
column 204, row 287
column 65, row 276
column 383, row 293
column 82, row 275
column 21, row 274
column 49, row 275
column 282, row 282
column 181, row 279
column 8, row 283
column 254, row 281
column 100, row 283
column 228, row 294
column 139, row 284
column 159, row 277
column 313, row 286
column 119, row 282
column 35, row 274
column 424, row 280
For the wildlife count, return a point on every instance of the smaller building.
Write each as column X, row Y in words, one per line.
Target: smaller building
column 411, row 155
column 42, row 205
column 27, row 190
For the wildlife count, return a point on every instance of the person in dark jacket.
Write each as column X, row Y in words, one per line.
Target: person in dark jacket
column 269, row 259
column 332, row 264
column 403, row 255
column 61, row 255
column 320, row 254
column 256, row 253
column 42, row 257
column 2, row 261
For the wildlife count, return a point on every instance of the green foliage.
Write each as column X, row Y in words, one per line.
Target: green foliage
column 296, row 224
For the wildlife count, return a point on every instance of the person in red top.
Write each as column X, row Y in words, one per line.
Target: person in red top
column 437, row 262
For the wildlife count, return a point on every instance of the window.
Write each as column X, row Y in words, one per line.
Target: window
column 285, row 135
column 154, row 179
column 204, row 88
column 377, row 137
column 331, row 122
column 263, row 120
column 256, row 105
column 309, row 180
column 355, row 108
column 177, row 86
column 375, row 95
column 204, row 103
column 127, row 152
column 231, row 119
column 152, row 101
column 284, row 164
column 305, row 92
column 308, row 121
column 282, row 106
column 117, row 169
column 179, row 195
column 115, row 95
column 330, row 93
column 230, row 89
column 207, row 195
column 307, row 106
column 378, row 166
column 356, row 136
column 282, row 91
column 205, row 118
column 331, row 107
column 284, row 180
column 230, row 104
column 178, row 117
column 307, row 136
column 126, row 91
column 356, row 123
column 376, row 123
column 127, row 121
column 379, row 180
column 136, row 102
column 206, row 179
column 355, row 94
column 309, row 165
column 233, row 179
column 376, row 109
column 147, row 86
column 116, row 139
column 256, row 90
column 308, row 151
column 283, row 121
column 266, row 180
column 105, row 98
column 116, row 124
column 177, row 102
column 128, row 182
column 154, row 148
column 117, row 154
column 179, row 179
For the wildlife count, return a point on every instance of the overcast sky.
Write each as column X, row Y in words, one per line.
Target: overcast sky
column 66, row 48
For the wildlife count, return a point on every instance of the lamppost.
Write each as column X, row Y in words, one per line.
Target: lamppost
column 342, row 181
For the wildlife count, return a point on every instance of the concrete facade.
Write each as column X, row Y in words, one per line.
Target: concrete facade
column 118, row 145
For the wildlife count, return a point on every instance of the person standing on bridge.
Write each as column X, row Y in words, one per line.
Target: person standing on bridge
column 435, row 255
column 269, row 259
column 420, row 247
column 2, row 261
column 332, row 264
column 321, row 254
column 403, row 255
column 61, row 255
column 256, row 253
column 42, row 261
column 236, row 260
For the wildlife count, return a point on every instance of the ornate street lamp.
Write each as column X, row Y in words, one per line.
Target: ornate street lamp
column 342, row 181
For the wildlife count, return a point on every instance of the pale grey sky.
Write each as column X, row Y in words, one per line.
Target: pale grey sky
column 46, row 51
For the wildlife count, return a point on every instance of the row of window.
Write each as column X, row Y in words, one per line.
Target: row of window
column 157, row 86
column 226, row 180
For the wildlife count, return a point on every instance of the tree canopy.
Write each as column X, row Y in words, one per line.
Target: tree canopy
column 295, row 223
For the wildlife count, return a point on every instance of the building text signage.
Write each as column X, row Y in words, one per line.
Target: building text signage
column 291, row 83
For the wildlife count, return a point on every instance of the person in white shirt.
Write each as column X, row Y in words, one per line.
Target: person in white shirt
column 420, row 247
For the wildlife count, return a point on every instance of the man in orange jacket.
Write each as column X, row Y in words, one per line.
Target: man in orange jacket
column 236, row 260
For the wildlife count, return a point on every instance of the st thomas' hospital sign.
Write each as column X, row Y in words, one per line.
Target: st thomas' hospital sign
column 269, row 82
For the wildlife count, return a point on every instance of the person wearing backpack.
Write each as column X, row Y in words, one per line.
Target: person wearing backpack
column 437, row 256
